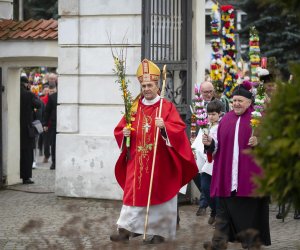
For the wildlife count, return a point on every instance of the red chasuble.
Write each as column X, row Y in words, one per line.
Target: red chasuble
column 175, row 165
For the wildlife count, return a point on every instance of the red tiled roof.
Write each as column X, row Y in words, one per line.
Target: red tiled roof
column 30, row 29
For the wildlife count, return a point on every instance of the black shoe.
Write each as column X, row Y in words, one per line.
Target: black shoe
column 156, row 239
column 297, row 215
column 211, row 220
column 133, row 235
column 207, row 245
column 281, row 213
column 249, row 239
column 122, row 236
column 28, row 181
column 52, row 167
column 201, row 211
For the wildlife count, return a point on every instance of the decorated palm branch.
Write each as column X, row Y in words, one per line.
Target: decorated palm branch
column 120, row 72
column 200, row 110
column 216, row 67
column 259, row 103
column 254, row 54
column 229, row 49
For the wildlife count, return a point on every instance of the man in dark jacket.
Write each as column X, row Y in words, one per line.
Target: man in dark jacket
column 28, row 102
column 50, row 122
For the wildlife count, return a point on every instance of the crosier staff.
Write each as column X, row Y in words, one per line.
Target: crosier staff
column 164, row 75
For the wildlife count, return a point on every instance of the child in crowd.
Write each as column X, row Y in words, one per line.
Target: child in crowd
column 204, row 163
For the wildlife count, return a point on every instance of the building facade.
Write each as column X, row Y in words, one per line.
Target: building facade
column 90, row 100
column 168, row 32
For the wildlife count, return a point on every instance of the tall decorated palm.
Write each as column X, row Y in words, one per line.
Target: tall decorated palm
column 254, row 54
column 229, row 49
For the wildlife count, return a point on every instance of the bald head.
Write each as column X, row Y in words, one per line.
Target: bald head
column 207, row 91
column 52, row 78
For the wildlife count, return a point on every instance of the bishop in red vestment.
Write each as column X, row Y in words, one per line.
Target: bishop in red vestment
column 174, row 164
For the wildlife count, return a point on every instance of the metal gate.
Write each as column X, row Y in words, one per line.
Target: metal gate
column 167, row 39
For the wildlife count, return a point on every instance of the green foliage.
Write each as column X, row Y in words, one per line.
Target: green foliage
column 279, row 29
column 285, row 5
column 120, row 72
column 40, row 9
column 279, row 150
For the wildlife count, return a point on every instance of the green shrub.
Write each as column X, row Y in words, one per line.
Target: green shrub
column 278, row 152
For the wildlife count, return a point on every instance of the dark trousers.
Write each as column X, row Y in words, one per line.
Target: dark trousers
column 205, row 186
column 202, row 200
column 26, row 160
column 44, row 144
column 197, row 181
column 52, row 137
column 41, row 142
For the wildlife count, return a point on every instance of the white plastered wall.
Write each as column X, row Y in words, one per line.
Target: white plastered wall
column 6, row 9
column 199, row 60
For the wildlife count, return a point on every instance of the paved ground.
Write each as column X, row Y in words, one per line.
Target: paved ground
column 34, row 218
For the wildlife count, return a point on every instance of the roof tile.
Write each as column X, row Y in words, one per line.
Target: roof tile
column 29, row 25
column 5, row 23
column 35, row 34
column 44, row 33
column 15, row 33
column 3, row 34
column 52, row 25
column 43, row 25
column 18, row 26
column 30, row 29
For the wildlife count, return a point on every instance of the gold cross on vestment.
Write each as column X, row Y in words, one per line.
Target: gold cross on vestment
column 146, row 127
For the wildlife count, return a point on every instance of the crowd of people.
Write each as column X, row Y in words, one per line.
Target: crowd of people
column 225, row 182
column 38, row 101
column 160, row 159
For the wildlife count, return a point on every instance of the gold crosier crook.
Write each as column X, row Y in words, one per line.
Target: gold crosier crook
column 164, row 75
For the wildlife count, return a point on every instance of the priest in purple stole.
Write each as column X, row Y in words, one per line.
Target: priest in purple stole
column 242, row 214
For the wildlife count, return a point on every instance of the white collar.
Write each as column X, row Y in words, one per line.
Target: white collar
column 151, row 102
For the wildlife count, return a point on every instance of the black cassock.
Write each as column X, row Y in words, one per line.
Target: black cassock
column 236, row 223
column 28, row 102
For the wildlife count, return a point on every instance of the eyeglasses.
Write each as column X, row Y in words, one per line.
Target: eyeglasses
column 207, row 92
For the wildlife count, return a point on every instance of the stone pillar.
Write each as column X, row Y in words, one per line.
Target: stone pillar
column 11, row 124
column 198, row 56
column 198, row 41
column 90, row 100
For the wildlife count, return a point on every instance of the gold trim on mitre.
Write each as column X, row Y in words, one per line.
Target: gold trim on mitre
column 147, row 71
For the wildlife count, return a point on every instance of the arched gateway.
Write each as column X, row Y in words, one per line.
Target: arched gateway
column 22, row 44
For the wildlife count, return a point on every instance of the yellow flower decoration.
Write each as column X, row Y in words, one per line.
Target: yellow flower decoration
column 128, row 126
column 254, row 122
